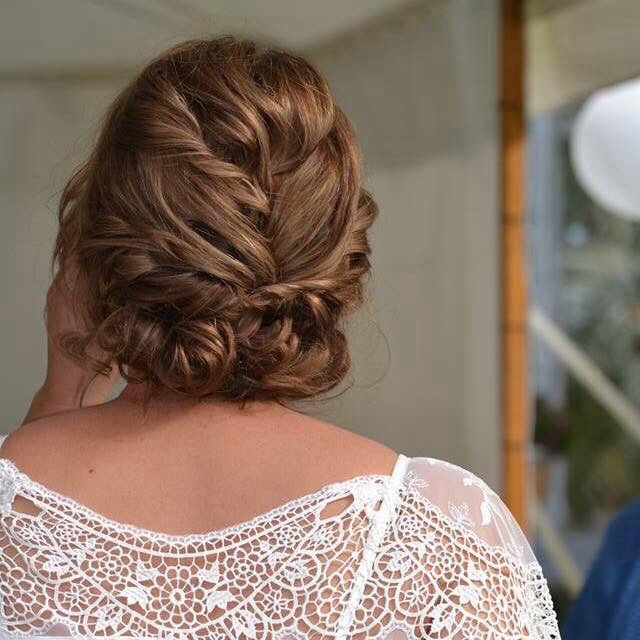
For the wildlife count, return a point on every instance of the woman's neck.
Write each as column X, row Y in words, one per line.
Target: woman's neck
column 146, row 396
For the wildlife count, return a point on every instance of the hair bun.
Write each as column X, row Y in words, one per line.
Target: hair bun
column 221, row 224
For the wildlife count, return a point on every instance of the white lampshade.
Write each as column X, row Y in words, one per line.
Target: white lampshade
column 605, row 148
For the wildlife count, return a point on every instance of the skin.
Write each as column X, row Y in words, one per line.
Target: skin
column 181, row 466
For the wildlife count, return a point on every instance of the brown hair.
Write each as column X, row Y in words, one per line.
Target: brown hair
column 220, row 226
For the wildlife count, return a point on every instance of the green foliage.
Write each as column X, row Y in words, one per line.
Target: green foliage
column 599, row 290
column 603, row 462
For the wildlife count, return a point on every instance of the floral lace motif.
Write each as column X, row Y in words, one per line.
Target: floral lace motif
column 436, row 575
column 291, row 572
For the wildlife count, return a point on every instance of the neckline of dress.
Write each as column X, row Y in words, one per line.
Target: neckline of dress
column 330, row 488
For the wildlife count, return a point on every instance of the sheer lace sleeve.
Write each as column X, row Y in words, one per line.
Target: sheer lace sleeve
column 454, row 565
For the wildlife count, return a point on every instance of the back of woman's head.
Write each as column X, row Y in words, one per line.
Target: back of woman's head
column 220, row 227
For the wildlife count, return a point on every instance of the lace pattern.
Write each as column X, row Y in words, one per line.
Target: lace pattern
column 430, row 552
column 447, row 582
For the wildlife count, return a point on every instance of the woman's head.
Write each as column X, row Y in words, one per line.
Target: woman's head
column 220, row 226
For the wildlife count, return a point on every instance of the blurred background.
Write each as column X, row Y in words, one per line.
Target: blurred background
column 501, row 140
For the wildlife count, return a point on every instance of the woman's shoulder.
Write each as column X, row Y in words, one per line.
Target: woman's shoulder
column 448, row 495
column 444, row 475
column 451, row 523
column 44, row 447
column 329, row 450
column 444, row 480
column 34, row 441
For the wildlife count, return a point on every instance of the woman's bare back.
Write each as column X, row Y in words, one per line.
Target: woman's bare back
column 232, row 463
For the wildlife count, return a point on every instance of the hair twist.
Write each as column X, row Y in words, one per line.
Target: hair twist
column 221, row 226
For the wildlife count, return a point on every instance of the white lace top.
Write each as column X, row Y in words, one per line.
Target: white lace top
column 426, row 552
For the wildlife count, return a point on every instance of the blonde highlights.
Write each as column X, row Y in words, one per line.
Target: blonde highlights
column 220, row 225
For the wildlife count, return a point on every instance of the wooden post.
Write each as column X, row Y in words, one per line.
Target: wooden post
column 514, row 291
